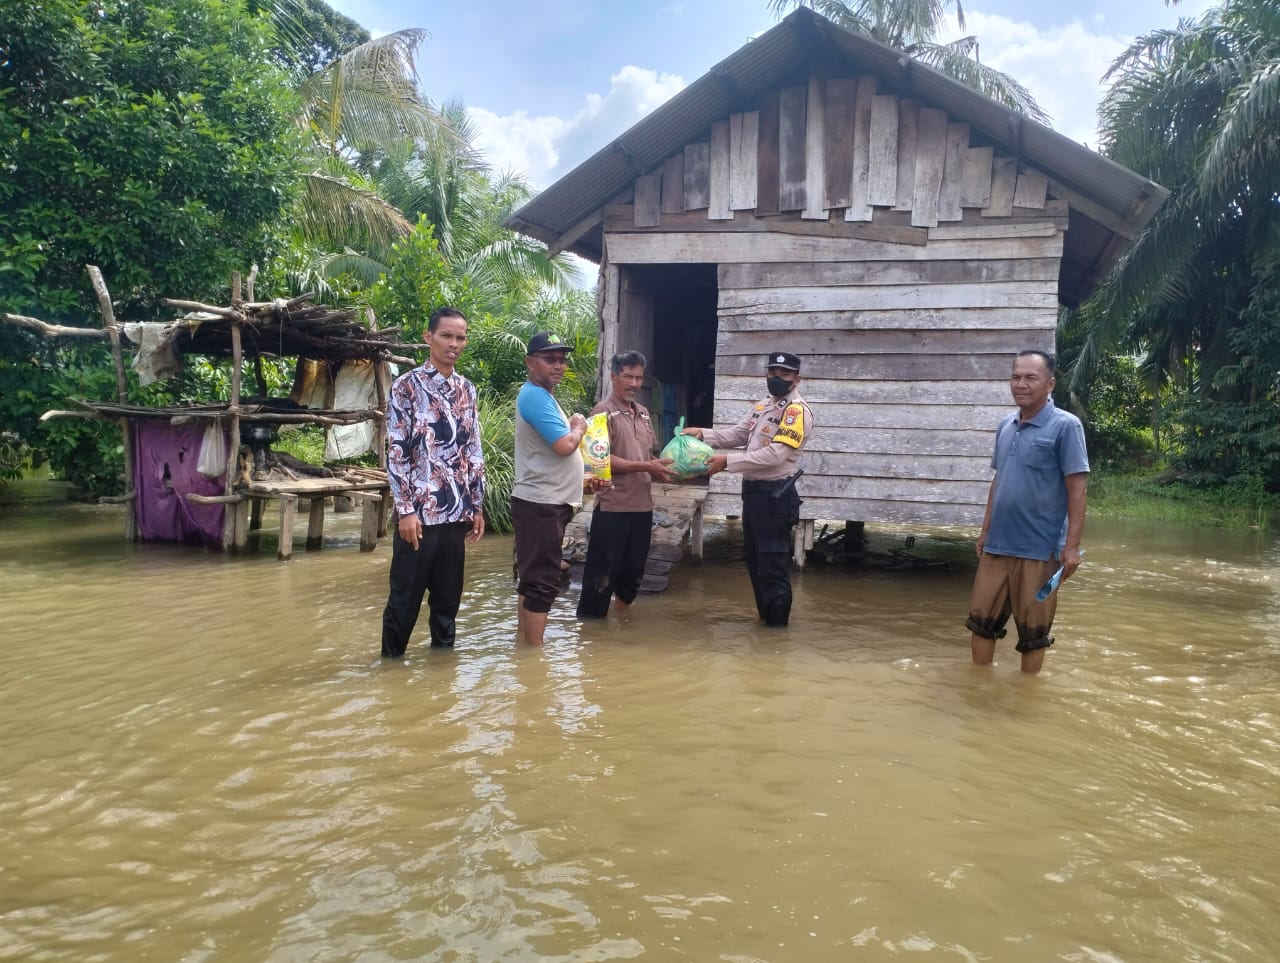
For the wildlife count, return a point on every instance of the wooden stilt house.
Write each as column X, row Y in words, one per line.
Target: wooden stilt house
column 820, row 193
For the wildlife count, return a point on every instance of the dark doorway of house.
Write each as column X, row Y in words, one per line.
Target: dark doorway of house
column 683, row 365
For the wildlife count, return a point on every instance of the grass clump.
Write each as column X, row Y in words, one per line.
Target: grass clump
column 1242, row 503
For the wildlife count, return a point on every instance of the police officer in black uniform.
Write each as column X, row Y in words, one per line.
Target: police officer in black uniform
column 772, row 435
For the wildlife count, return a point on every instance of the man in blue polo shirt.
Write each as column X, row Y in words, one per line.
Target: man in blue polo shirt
column 1034, row 519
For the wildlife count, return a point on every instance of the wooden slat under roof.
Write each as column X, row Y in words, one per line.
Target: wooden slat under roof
column 1109, row 204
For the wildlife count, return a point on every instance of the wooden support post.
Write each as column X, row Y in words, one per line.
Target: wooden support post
column 288, row 512
column 315, row 524
column 229, row 535
column 801, row 541
column 255, row 514
column 855, row 535
column 381, row 383
column 237, row 359
column 372, row 503
column 385, row 513
column 695, row 534
column 122, row 395
column 239, row 513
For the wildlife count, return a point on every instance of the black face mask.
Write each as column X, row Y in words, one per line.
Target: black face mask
column 778, row 387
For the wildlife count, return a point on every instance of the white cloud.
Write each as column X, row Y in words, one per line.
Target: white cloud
column 545, row 147
column 518, row 142
column 1062, row 66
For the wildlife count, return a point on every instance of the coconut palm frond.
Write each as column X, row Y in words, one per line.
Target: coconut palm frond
column 370, row 96
column 337, row 213
column 953, row 60
column 1247, row 139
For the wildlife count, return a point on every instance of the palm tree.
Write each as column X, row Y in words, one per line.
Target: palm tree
column 1196, row 108
column 443, row 180
column 364, row 102
column 910, row 26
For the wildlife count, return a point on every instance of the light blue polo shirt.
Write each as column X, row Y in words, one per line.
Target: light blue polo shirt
column 1032, row 460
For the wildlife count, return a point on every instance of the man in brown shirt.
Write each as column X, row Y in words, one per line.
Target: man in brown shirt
column 622, row 520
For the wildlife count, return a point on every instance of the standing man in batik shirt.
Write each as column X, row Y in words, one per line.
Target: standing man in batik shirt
column 436, row 471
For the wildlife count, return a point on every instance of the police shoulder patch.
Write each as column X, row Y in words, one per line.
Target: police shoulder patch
column 791, row 430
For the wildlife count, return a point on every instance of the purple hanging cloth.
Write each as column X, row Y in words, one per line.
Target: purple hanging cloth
column 166, row 457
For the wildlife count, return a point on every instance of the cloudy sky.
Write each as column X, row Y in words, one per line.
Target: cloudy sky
column 549, row 84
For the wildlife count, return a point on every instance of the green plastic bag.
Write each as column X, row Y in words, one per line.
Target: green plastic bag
column 689, row 455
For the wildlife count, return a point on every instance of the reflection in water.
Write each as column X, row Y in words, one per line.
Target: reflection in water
column 205, row 759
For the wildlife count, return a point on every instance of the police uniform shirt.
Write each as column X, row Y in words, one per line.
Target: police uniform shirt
column 773, row 433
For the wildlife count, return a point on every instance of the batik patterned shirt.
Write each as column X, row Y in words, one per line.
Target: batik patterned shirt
column 434, row 462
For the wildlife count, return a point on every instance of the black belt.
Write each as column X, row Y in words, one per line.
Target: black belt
column 776, row 487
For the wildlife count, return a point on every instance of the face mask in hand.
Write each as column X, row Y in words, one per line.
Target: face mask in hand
column 778, row 387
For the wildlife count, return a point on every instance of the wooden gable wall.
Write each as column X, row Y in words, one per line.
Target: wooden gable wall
column 905, row 264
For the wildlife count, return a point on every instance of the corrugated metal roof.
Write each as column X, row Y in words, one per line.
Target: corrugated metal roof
column 1105, row 190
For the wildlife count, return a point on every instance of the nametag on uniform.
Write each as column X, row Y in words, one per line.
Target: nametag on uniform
column 791, row 428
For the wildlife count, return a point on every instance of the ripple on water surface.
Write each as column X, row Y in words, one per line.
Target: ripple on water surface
column 206, row 759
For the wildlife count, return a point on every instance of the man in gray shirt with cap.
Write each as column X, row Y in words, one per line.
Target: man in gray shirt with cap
column 549, row 480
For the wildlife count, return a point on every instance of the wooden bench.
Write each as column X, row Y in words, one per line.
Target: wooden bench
column 246, row 505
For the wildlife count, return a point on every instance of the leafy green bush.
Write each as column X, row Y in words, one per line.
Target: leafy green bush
column 498, row 442
column 1226, row 443
column 418, row 281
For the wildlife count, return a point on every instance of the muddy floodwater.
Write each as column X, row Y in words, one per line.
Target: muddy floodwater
column 204, row 759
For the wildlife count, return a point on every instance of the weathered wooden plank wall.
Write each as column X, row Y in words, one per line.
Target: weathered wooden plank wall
column 903, row 263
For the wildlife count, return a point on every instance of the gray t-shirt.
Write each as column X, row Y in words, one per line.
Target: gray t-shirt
column 542, row 476
column 1032, row 460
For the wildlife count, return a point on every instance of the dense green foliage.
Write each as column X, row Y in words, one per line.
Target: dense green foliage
column 310, row 35
column 1144, row 496
column 153, row 140
column 1197, row 108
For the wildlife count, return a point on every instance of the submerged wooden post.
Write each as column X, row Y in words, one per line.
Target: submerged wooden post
column 372, row 505
column 288, row 511
column 801, row 541
column 122, row 395
column 239, row 512
column 229, row 521
column 315, row 523
column 381, row 382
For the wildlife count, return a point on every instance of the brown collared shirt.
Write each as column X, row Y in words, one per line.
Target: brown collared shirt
column 631, row 437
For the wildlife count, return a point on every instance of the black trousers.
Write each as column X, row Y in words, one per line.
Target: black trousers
column 616, row 553
column 766, row 529
column 437, row 565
